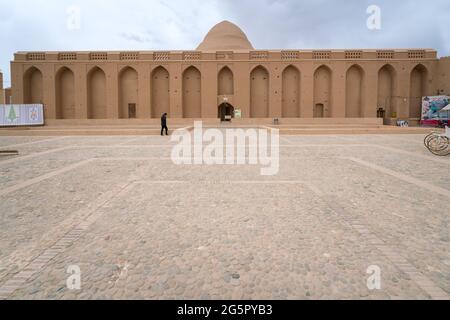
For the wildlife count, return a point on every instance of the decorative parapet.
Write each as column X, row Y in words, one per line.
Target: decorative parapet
column 321, row 55
column 161, row 56
column 192, row 55
column 243, row 55
column 67, row 56
column 259, row 55
column 36, row 56
column 290, row 55
column 353, row 54
column 129, row 55
column 385, row 54
column 102, row 56
column 416, row 54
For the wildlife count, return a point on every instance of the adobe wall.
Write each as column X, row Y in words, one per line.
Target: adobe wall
column 443, row 74
column 192, row 84
column 8, row 95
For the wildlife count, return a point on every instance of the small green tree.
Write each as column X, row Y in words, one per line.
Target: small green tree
column 12, row 114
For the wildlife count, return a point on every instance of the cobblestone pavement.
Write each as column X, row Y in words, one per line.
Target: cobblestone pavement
column 140, row 227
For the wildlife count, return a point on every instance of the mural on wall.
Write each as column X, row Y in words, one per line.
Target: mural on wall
column 433, row 109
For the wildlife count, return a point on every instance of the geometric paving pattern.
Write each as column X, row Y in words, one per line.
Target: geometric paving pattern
column 140, row 227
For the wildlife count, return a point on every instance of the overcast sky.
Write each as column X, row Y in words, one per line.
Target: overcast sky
column 28, row 25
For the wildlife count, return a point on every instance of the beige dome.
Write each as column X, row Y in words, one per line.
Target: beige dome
column 225, row 36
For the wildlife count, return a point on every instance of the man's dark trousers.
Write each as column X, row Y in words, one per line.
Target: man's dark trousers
column 164, row 127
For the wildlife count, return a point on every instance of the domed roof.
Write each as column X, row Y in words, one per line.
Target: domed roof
column 225, row 36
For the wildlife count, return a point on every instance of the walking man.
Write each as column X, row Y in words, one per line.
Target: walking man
column 164, row 124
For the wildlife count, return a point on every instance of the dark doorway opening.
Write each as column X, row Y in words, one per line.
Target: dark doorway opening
column 226, row 112
column 132, row 110
column 381, row 113
column 319, row 111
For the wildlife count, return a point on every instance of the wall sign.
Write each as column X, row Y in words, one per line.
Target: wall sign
column 12, row 115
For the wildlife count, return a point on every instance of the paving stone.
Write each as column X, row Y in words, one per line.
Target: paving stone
column 224, row 232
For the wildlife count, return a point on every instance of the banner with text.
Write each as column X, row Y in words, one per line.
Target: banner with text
column 21, row 115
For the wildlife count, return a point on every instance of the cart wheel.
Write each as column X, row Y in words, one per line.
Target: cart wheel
column 439, row 145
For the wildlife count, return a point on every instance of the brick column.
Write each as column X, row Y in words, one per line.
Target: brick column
column 112, row 91
column 81, row 96
column 143, row 107
column 49, row 90
column 176, row 96
column 241, row 74
column 402, row 95
column 17, row 74
column 338, row 90
column 307, row 90
column 275, row 93
column 370, row 91
column 209, row 90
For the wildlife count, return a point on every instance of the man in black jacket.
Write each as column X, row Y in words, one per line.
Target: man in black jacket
column 164, row 124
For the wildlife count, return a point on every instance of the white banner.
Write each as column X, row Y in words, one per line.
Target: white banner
column 21, row 115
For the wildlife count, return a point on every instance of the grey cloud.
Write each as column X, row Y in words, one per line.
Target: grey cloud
column 135, row 37
column 341, row 23
column 179, row 24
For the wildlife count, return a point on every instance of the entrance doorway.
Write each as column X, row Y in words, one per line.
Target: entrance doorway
column 226, row 112
column 132, row 111
column 319, row 110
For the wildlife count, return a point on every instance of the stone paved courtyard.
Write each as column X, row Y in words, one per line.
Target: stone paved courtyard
column 140, row 227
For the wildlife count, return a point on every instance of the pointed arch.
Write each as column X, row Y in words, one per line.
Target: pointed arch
column 65, row 94
column 291, row 92
column 225, row 82
column 322, row 92
column 96, row 90
column 418, row 89
column 160, row 92
column 386, row 90
column 128, row 92
column 354, row 92
column 192, row 93
column 33, row 86
column 259, row 92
